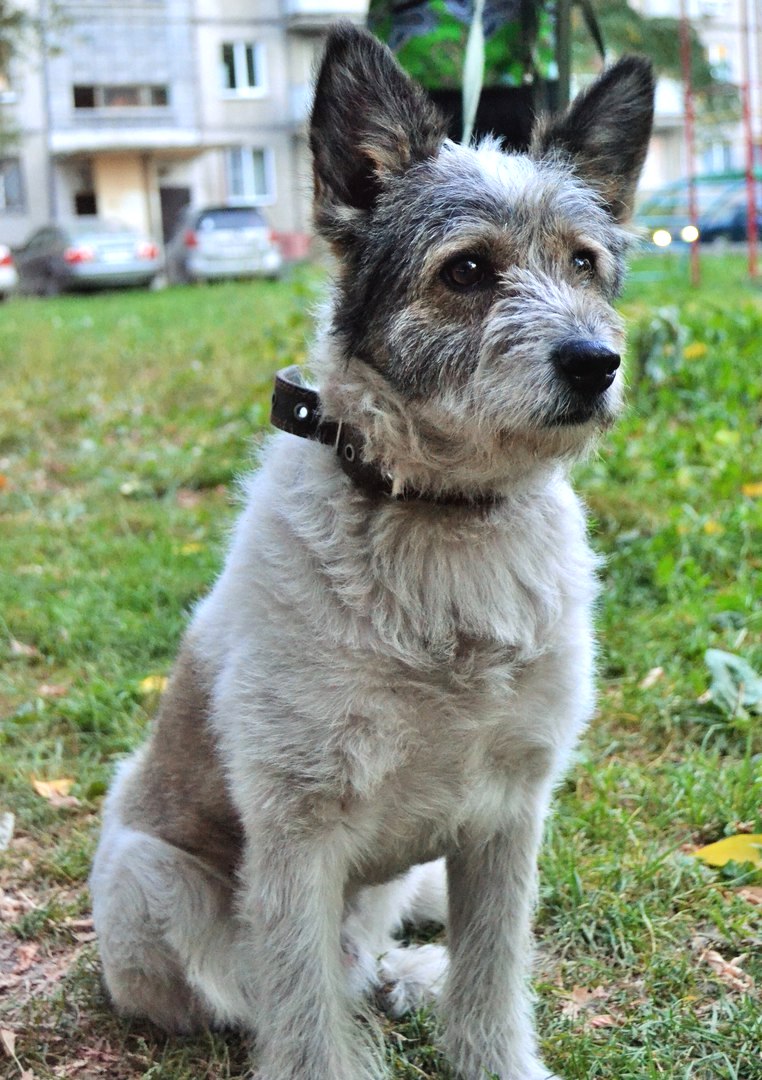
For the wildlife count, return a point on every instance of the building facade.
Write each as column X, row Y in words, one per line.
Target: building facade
column 133, row 110
column 731, row 31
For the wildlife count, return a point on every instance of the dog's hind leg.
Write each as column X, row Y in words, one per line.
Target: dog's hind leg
column 165, row 932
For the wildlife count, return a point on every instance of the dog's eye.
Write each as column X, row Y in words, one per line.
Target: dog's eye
column 465, row 272
column 584, row 263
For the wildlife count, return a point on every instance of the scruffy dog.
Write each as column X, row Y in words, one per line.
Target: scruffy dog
column 371, row 708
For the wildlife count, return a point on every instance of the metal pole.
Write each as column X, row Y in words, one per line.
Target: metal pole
column 563, row 51
column 690, row 135
column 751, row 201
column 50, row 169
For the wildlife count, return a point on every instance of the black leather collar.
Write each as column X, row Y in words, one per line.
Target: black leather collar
column 296, row 408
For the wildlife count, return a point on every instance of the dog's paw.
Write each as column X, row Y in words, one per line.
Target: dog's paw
column 411, row 977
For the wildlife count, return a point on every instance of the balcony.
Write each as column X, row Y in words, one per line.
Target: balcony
column 83, row 138
column 314, row 15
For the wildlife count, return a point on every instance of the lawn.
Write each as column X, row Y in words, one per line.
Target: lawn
column 125, row 421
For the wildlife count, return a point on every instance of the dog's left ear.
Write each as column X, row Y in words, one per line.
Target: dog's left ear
column 606, row 132
column 369, row 122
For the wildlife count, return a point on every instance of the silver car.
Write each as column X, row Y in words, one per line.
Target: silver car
column 8, row 276
column 86, row 253
column 223, row 242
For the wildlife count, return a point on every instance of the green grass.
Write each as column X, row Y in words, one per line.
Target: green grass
column 124, row 423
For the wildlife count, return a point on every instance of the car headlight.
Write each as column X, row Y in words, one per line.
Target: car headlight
column 689, row 233
column 662, row 238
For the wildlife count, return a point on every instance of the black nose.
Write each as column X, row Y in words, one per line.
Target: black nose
column 588, row 366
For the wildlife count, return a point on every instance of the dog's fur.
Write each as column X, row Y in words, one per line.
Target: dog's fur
column 371, row 708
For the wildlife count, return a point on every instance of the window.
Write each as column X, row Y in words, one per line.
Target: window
column 11, row 185
column 243, row 69
column 128, row 96
column 250, row 175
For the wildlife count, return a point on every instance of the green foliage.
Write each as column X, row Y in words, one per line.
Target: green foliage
column 627, row 30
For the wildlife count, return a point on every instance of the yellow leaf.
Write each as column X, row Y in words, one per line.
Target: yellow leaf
column 713, row 528
column 8, row 1040
column 695, row 350
column 154, row 684
column 53, row 789
column 191, row 548
column 744, row 847
column 752, row 491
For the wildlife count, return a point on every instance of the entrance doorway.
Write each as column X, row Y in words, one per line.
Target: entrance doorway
column 173, row 201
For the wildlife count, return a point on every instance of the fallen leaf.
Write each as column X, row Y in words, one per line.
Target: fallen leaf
column 56, row 792
column 752, row 894
column 651, row 678
column 695, row 350
column 713, row 528
column 581, row 998
column 191, row 548
column 603, row 1020
column 51, row 788
column 729, row 971
column 52, row 690
column 154, row 684
column 752, row 491
column 741, row 848
column 3, row 481
column 187, row 498
column 18, row 648
column 26, row 954
column 8, row 1039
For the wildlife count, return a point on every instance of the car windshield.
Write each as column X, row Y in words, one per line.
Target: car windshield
column 730, row 204
column 229, row 217
column 676, row 203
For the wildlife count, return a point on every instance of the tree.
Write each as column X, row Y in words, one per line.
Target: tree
column 625, row 30
column 14, row 24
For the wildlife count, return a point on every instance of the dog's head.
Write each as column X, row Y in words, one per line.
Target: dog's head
column 473, row 302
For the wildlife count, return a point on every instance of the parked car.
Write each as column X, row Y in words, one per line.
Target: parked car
column 727, row 219
column 86, row 253
column 664, row 217
column 8, row 275
column 223, row 242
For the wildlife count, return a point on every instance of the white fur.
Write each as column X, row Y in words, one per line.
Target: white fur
column 417, row 695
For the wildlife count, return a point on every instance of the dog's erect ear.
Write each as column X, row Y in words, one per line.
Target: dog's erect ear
column 369, row 121
column 605, row 132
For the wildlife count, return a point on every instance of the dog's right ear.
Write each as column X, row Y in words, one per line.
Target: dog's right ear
column 369, row 122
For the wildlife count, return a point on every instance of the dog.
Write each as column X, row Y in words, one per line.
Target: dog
column 370, row 710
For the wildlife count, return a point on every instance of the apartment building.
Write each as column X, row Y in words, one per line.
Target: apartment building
column 135, row 109
column 731, row 31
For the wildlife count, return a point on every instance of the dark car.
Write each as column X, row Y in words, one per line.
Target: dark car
column 728, row 219
column 223, row 242
column 86, row 253
column 664, row 216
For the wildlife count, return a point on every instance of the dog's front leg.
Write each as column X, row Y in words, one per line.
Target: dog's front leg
column 486, row 1006
column 297, row 975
